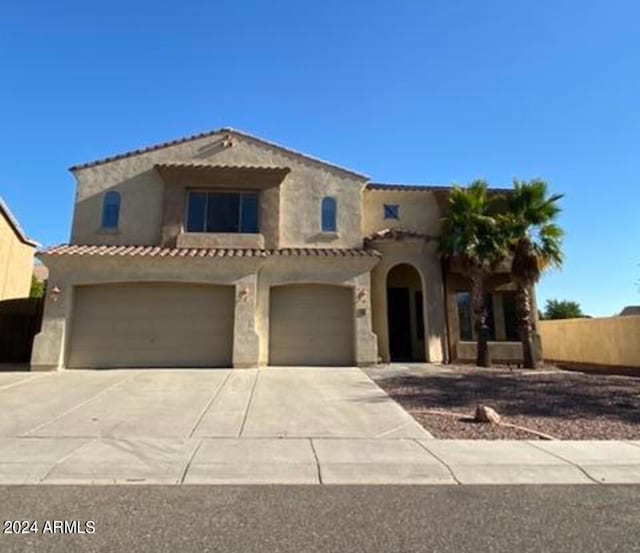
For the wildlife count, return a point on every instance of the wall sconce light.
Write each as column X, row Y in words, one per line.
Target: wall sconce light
column 362, row 295
column 244, row 294
column 55, row 294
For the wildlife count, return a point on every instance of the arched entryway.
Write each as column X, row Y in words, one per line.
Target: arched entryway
column 405, row 314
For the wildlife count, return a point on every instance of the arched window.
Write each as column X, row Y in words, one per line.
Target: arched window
column 329, row 214
column 111, row 209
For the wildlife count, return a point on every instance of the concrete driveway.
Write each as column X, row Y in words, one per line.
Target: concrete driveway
column 268, row 403
column 275, row 425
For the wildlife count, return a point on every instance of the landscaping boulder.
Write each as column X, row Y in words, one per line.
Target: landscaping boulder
column 484, row 413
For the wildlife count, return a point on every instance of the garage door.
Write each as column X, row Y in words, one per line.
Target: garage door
column 152, row 325
column 311, row 325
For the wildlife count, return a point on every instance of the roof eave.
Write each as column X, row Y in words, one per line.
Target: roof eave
column 228, row 130
column 15, row 226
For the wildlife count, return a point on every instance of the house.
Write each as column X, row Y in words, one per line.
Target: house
column 224, row 249
column 630, row 310
column 16, row 257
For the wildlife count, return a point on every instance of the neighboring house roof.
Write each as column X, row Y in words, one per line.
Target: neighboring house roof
column 157, row 251
column 398, row 234
column 13, row 223
column 40, row 272
column 227, row 130
column 630, row 310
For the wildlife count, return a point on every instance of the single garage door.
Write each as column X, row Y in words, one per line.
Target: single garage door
column 152, row 325
column 311, row 324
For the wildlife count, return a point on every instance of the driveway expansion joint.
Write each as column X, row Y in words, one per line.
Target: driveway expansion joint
column 67, row 456
column 27, row 379
column 249, row 403
column 215, row 396
column 78, row 406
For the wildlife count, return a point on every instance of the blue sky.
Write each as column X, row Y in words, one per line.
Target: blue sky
column 422, row 91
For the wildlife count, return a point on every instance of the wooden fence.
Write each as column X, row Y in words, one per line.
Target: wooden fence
column 20, row 321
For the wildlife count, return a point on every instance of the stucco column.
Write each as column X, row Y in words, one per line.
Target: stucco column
column 246, row 342
column 49, row 345
column 434, row 306
column 366, row 345
column 379, row 315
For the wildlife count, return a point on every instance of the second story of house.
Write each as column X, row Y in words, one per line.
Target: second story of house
column 229, row 189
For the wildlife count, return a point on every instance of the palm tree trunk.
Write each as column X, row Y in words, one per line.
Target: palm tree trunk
column 483, row 359
column 529, row 352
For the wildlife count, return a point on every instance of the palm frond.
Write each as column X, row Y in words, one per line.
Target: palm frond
column 535, row 238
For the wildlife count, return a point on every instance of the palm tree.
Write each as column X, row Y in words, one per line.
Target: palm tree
column 473, row 237
column 535, row 243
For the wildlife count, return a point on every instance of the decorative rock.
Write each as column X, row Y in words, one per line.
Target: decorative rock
column 485, row 413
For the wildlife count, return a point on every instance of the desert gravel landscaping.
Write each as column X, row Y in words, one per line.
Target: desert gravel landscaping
column 565, row 405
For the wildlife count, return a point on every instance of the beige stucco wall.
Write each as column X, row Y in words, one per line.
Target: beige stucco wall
column 419, row 211
column 421, row 256
column 613, row 341
column 16, row 263
column 142, row 191
column 251, row 321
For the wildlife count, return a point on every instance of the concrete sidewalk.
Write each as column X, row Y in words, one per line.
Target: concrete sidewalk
column 314, row 461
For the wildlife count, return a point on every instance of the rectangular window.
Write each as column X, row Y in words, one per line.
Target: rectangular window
column 465, row 316
column 463, row 301
column 391, row 211
column 196, row 211
column 510, row 316
column 222, row 212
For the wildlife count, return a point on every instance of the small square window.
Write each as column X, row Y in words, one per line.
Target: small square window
column 391, row 211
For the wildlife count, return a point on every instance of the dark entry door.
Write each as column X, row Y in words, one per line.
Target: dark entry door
column 399, row 323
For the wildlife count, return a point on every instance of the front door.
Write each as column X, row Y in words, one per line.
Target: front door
column 399, row 323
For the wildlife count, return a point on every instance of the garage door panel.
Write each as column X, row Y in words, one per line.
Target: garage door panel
column 311, row 325
column 152, row 325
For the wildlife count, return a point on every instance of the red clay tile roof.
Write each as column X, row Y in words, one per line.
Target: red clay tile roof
column 398, row 234
column 405, row 187
column 157, row 251
column 325, row 252
column 213, row 133
column 200, row 165
column 419, row 187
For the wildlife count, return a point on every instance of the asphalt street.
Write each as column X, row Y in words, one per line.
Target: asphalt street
column 398, row 519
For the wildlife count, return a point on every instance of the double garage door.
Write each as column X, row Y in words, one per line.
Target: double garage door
column 152, row 325
column 166, row 325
